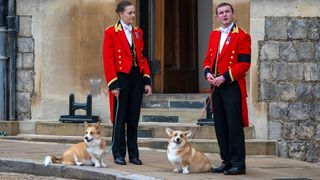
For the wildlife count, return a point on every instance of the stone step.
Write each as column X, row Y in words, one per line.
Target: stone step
column 253, row 146
column 180, row 97
column 146, row 130
column 171, row 115
column 169, row 101
column 173, row 104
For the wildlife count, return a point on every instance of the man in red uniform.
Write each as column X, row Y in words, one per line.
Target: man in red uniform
column 128, row 77
column 225, row 66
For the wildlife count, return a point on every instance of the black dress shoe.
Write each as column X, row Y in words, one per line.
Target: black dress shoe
column 235, row 171
column 221, row 169
column 120, row 161
column 135, row 161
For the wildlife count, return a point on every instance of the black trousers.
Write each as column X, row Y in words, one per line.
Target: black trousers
column 130, row 99
column 228, row 124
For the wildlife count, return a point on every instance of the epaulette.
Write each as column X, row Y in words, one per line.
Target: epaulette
column 117, row 27
column 235, row 29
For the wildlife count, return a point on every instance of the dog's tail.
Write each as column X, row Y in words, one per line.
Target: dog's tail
column 51, row 159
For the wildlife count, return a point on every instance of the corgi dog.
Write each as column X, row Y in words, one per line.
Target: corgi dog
column 87, row 153
column 183, row 156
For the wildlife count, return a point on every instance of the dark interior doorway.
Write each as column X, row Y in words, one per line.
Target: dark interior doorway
column 181, row 47
column 177, row 69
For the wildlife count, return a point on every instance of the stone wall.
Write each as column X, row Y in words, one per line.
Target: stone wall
column 259, row 9
column 59, row 52
column 289, row 83
column 25, row 69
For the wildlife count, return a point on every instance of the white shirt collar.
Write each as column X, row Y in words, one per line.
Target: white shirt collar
column 226, row 30
column 126, row 27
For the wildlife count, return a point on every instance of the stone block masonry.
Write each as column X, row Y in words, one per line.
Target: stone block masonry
column 25, row 69
column 289, row 82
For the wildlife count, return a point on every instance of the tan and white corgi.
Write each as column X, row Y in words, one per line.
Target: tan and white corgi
column 87, row 153
column 183, row 156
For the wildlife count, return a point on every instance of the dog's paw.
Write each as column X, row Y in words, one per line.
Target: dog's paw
column 104, row 165
column 185, row 172
column 79, row 163
column 97, row 165
column 176, row 170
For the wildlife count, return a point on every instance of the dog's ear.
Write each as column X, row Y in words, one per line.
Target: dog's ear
column 85, row 124
column 98, row 126
column 188, row 133
column 169, row 131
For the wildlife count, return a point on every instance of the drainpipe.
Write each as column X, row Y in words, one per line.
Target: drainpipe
column 3, row 62
column 12, row 21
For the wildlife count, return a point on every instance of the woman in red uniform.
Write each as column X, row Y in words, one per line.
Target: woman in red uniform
column 128, row 77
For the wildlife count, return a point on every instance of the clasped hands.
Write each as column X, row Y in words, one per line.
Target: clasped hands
column 147, row 90
column 215, row 81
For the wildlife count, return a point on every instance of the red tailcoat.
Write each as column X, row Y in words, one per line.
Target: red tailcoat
column 233, row 61
column 117, row 57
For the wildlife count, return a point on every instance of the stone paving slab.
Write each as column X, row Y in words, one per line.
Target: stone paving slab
column 28, row 156
column 20, row 176
column 156, row 130
column 253, row 146
column 74, row 172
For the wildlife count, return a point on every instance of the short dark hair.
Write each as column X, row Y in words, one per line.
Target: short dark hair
column 222, row 5
column 122, row 5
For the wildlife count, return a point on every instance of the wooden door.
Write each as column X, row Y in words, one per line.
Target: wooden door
column 181, row 49
column 158, row 61
column 176, row 49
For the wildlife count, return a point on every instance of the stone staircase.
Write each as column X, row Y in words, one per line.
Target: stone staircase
column 177, row 111
column 173, row 108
